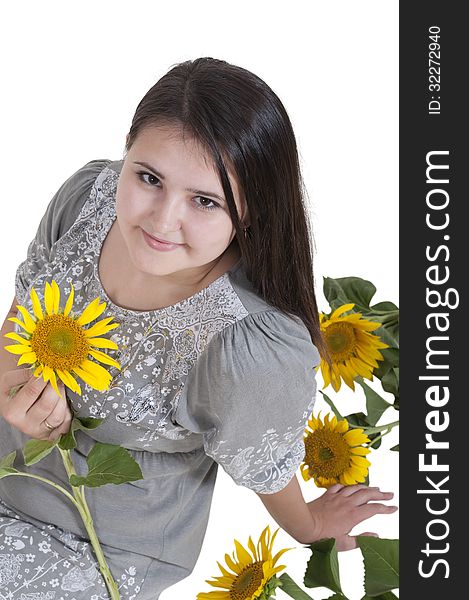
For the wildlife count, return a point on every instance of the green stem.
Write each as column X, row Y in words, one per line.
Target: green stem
column 79, row 493
column 374, row 440
column 388, row 426
column 377, row 429
column 48, row 481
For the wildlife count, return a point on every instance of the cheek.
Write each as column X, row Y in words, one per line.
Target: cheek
column 129, row 205
column 208, row 230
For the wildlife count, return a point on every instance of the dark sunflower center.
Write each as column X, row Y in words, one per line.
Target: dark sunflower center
column 247, row 582
column 59, row 342
column 327, row 453
column 341, row 340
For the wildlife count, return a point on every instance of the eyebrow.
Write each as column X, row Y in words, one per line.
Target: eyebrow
column 160, row 176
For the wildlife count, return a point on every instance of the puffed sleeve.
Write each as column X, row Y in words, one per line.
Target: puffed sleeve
column 59, row 216
column 250, row 395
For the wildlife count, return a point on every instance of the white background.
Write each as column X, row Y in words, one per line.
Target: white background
column 72, row 76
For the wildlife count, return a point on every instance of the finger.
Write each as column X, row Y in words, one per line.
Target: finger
column 333, row 489
column 352, row 489
column 369, row 534
column 366, row 495
column 375, row 508
column 345, row 543
column 16, row 377
column 60, row 419
column 28, row 394
column 44, row 406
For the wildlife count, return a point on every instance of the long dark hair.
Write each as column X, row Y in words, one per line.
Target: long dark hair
column 243, row 125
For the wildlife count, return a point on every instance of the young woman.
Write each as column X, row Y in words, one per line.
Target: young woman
column 198, row 241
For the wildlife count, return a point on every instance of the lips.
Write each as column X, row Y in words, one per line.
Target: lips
column 163, row 241
column 159, row 244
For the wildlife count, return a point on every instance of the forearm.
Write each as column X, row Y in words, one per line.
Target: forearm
column 291, row 512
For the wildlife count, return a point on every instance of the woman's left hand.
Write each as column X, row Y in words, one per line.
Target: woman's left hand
column 341, row 507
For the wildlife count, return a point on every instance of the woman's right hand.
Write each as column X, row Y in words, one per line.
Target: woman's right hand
column 34, row 404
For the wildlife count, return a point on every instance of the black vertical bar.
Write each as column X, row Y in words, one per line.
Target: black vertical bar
column 434, row 273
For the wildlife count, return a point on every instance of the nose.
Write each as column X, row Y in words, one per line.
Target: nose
column 167, row 215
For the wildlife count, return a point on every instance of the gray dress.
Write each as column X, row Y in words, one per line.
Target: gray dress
column 220, row 378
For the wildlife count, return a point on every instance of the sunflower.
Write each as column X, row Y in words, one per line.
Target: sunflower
column 56, row 343
column 353, row 349
column 334, row 453
column 252, row 574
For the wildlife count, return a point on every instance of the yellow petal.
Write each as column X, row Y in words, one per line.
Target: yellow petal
column 225, row 571
column 347, row 479
column 104, row 358
column 360, row 461
column 69, row 381
column 360, row 450
column 243, row 556
column 99, row 342
column 91, row 312
column 252, row 548
column 49, row 299
column 92, row 381
column 100, row 328
column 53, row 381
column 21, row 324
column 341, row 309
column 355, row 437
column 18, row 338
column 233, row 565
column 46, row 373
column 279, row 554
column 27, row 358
column 358, row 474
column 96, row 370
column 55, row 296
column 71, row 296
column 27, row 318
column 37, row 308
column 18, row 349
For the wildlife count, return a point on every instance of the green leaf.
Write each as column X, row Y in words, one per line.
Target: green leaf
column 8, row 460
column 337, row 597
column 332, row 405
column 36, row 450
column 6, row 465
column 375, row 404
column 349, row 289
column 108, row 463
column 385, row 596
column 381, row 560
column 68, row 440
column 323, row 567
column 384, row 307
column 390, row 360
column 390, row 382
column 395, row 448
column 292, row 589
column 88, row 423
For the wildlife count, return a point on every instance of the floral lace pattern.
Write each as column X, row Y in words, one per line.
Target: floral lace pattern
column 48, row 563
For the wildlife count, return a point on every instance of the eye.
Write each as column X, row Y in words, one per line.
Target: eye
column 143, row 174
column 203, row 206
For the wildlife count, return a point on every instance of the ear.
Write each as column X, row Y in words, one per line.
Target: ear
column 245, row 219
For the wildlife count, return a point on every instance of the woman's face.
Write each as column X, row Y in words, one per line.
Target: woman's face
column 169, row 189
